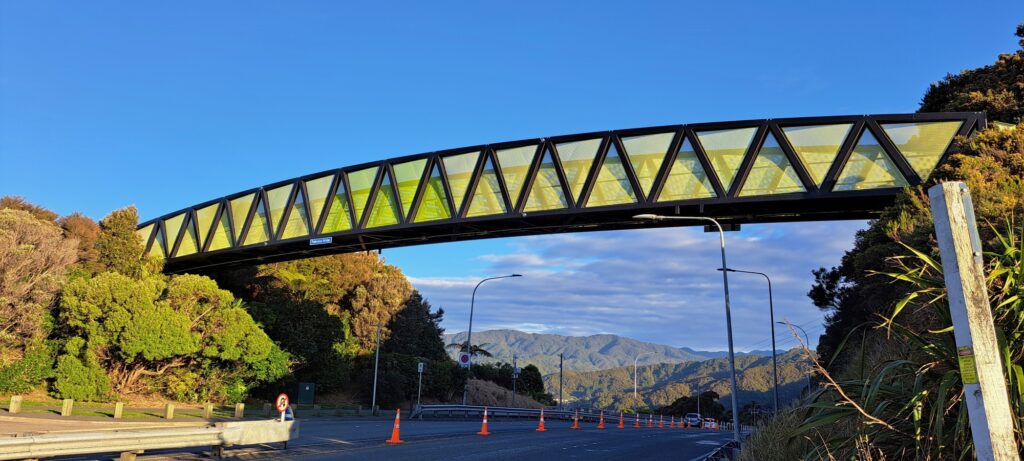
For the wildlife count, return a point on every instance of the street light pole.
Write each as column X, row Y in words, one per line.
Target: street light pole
column 560, row 376
column 515, row 378
column 807, row 343
column 469, row 334
column 635, row 399
column 376, row 360
column 699, row 415
column 771, row 314
column 728, row 313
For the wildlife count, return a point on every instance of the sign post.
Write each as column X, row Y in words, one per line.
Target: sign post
column 281, row 404
column 464, row 359
column 419, row 384
column 981, row 366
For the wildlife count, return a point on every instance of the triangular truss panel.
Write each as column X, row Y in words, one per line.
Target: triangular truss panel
column 612, row 186
column 748, row 171
column 546, row 192
column 869, row 167
column 646, row 155
column 922, row 144
column 687, row 178
column 577, row 159
column 772, row 173
column 488, row 199
column 434, row 204
column 515, row 166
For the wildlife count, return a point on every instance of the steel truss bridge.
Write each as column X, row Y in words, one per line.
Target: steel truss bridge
column 752, row 171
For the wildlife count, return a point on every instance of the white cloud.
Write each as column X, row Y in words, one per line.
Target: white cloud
column 658, row 285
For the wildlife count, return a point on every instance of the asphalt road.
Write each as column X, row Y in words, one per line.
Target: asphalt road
column 363, row 439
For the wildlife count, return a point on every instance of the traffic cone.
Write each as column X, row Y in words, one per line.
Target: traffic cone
column 394, row 440
column 600, row 423
column 636, row 424
column 661, row 422
column 650, row 421
column 540, row 426
column 575, row 421
column 620, row 421
column 483, row 427
column 672, row 424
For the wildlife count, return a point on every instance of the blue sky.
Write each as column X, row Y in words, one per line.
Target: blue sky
column 162, row 105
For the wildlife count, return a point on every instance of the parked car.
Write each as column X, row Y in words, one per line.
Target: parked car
column 692, row 419
column 710, row 423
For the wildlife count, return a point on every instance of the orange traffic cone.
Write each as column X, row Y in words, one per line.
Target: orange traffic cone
column 575, row 421
column 394, row 432
column 600, row 423
column 620, row 421
column 650, row 421
column 540, row 426
column 661, row 422
column 637, row 423
column 483, row 427
column 672, row 424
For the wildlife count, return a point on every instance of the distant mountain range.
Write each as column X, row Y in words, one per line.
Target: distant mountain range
column 582, row 353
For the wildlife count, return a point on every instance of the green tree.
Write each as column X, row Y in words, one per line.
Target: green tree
column 416, row 331
column 118, row 247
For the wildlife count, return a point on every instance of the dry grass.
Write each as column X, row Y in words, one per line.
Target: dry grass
column 490, row 394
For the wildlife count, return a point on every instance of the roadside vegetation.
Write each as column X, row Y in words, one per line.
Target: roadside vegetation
column 888, row 383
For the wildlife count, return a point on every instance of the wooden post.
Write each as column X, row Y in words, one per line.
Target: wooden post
column 981, row 366
column 266, row 410
column 169, row 411
column 15, row 404
column 67, row 407
column 239, row 410
column 208, row 411
column 118, row 410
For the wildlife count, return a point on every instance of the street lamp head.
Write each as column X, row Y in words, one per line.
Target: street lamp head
column 517, row 275
column 726, row 269
column 648, row 217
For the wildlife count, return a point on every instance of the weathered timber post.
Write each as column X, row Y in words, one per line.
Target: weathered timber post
column 981, row 366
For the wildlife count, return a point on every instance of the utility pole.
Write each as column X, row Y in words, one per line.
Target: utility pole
column 560, row 375
column 515, row 377
column 376, row 361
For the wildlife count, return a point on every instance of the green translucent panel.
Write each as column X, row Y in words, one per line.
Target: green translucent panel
column 361, row 183
column 298, row 224
column 318, row 189
column 922, row 144
column 646, row 154
column 546, row 193
column 239, row 212
column 577, row 158
column 487, row 198
column 817, row 146
column 259, row 229
column 612, row 186
column 460, row 170
column 338, row 216
column 144, row 234
column 434, row 204
column 189, row 242
column 159, row 248
column 278, row 200
column 173, row 226
column 515, row 164
column 385, row 206
column 869, row 167
column 221, row 237
column 204, row 218
column 772, row 173
column 725, row 150
column 408, row 177
column 687, row 179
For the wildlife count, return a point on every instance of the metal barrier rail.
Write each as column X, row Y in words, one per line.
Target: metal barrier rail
column 131, row 442
column 513, row 412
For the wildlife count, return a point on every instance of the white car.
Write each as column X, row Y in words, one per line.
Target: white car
column 692, row 419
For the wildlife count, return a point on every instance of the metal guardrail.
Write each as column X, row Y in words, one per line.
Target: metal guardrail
column 497, row 412
column 131, row 442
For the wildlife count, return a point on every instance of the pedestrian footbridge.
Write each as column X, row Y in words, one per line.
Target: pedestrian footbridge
column 798, row 169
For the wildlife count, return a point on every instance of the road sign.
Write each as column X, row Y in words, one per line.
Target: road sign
column 281, row 403
column 419, row 367
column 464, row 359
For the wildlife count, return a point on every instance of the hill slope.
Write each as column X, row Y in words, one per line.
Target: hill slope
column 582, row 353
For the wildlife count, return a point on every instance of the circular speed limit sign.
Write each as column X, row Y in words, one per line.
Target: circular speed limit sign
column 281, row 403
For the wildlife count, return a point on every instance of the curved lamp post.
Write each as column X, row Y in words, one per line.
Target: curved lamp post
column 807, row 343
column 728, row 313
column 469, row 335
column 771, row 314
column 635, row 406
